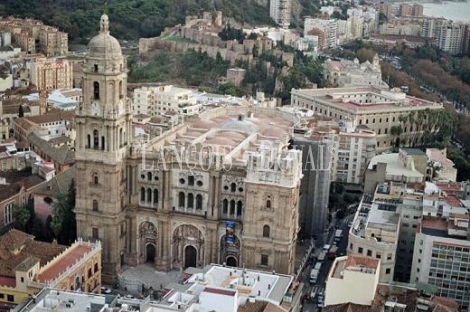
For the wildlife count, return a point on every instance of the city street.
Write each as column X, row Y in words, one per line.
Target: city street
column 342, row 245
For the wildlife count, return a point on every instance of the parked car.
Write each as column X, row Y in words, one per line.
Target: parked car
column 105, row 290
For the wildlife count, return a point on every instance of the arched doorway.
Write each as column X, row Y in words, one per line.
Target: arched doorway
column 150, row 252
column 190, row 256
column 231, row 261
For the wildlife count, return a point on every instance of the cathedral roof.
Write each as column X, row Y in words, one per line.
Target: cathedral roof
column 104, row 45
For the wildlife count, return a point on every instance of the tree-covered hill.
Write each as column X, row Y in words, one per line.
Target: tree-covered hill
column 130, row 19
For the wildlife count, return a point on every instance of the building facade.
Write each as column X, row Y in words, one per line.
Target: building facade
column 50, row 74
column 377, row 108
column 233, row 198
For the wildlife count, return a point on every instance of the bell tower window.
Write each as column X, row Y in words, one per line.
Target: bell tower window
column 95, row 68
column 96, row 90
column 96, row 139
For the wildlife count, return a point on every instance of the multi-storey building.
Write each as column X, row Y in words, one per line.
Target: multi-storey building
column 158, row 101
column 35, row 37
column 346, row 73
column 417, row 10
column 375, row 231
column 50, row 74
column 377, row 108
column 405, row 9
column 328, row 29
column 441, row 256
column 280, row 11
column 232, row 196
column 352, row 279
column 385, row 8
column 28, row 266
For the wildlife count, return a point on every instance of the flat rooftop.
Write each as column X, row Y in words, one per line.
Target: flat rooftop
column 366, row 265
column 394, row 166
column 247, row 282
column 357, row 99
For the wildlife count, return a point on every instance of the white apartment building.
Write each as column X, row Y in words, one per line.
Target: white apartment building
column 326, row 31
column 450, row 39
column 352, row 279
column 158, row 101
column 280, row 12
column 374, row 233
column 376, row 107
column 442, row 256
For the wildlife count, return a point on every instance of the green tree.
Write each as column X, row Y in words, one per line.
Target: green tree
column 56, row 226
column 396, row 131
column 21, row 215
column 63, row 223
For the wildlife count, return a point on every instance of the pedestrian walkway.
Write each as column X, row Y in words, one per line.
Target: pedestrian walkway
column 133, row 278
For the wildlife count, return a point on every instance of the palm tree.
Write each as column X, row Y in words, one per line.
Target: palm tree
column 21, row 215
column 396, row 131
column 56, row 226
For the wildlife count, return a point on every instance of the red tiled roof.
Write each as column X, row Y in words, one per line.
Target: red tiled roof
column 67, row 259
column 7, row 281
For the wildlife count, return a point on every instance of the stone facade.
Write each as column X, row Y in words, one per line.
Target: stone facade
column 233, row 198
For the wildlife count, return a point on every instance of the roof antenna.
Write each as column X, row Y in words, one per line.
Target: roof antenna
column 105, row 10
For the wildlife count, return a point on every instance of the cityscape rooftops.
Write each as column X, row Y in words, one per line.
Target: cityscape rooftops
column 396, row 170
column 354, row 263
column 455, row 226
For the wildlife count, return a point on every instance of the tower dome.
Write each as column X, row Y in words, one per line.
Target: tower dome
column 104, row 45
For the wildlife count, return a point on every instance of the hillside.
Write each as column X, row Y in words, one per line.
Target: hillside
column 132, row 19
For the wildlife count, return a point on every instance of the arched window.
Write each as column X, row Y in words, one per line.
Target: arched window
column 149, row 176
column 88, row 141
column 224, row 206
column 96, row 267
column 190, row 200
column 96, row 139
column 191, row 180
column 149, row 195
column 266, row 231
column 233, row 187
column 95, row 205
column 198, row 202
column 102, row 143
column 95, row 178
column 121, row 93
column 142, row 194
column 155, row 196
column 232, row 207
column 239, row 208
column 90, row 273
column 96, row 90
column 120, row 137
column 268, row 203
column 8, row 211
column 181, row 199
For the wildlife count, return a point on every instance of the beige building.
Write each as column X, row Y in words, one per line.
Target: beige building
column 375, row 233
column 441, row 167
column 224, row 200
column 34, row 37
column 377, row 108
column 352, row 279
column 50, row 74
column 161, row 100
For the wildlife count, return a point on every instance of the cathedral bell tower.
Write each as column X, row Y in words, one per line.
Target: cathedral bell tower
column 103, row 122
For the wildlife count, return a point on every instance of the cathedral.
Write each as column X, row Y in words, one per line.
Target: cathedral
column 221, row 188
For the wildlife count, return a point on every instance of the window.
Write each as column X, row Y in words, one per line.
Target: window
column 96, row 90
column 239, row 208
column 198, row 202
column 22, row 279
column 149, row 195
column 96, row 267
column 369, row 253
column 351, row 246
column 88, row 141
column 90, row 273
column 378, row 256
column 10, row 298
column 225, row 206
column 95, row 205
column 155, row 196
column 191, row 180
column 190, row 200
column 95, row 233
column 8, row 211
column 181, row 199
column 232, row 207
column 387, row 271
column 233, row 187
column 266, row 231
column 121, row 93
column 96, row 139
column 95, row 178
column 149, row 176
column 95, row 67
column 360, row 250
column 268, row 204
column 264, row 260
column 389, row 257
column 142, row 194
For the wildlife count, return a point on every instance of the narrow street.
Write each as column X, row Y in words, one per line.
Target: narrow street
column 311, row 305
